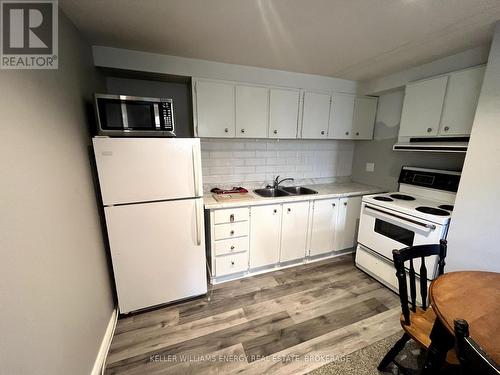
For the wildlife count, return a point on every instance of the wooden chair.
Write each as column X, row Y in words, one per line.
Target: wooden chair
column 473, row 360
column 416, row 321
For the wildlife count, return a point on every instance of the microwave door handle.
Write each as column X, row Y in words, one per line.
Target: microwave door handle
column 124, row 115
column 198, row 221
column 196, row 170
column 424, row 225
column 157, row 116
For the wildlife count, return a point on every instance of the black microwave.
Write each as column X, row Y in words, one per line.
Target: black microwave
column 121, row 115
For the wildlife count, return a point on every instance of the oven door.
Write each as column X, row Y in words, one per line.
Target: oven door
column 383, row 230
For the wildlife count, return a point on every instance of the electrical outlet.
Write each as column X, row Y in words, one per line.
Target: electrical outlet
column 370, row 167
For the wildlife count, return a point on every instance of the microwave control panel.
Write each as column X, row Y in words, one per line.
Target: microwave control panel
column 166, row 115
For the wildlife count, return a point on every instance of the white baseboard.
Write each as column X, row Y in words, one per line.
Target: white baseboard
column 106, row 341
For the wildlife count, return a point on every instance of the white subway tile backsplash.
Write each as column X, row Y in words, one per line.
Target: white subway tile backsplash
column 229, row 162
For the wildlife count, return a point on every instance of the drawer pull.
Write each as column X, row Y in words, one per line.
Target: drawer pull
column 231, row 217
column 232, row 247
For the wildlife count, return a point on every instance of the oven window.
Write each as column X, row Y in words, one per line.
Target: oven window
column 110, row 113
column 140, row 115
column 394, row 232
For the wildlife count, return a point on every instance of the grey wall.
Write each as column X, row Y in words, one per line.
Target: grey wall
column 379, row 151
column 179, row 92
column 55, row 293
column 474, row 235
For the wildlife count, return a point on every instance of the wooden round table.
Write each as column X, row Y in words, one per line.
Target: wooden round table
column 470, row 295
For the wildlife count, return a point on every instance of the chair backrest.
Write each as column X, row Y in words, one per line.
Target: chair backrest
column 408, row 254
column 473, row 360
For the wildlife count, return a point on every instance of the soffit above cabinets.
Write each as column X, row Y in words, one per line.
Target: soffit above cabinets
column 356, row 40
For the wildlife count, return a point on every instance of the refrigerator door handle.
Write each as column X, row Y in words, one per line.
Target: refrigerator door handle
column 196, row 170
column 198, row 222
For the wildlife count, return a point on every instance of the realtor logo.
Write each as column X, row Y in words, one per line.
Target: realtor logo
column 29, row 34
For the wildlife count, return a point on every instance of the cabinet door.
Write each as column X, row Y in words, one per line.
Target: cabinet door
column 324, row 219
column 315, row 116
column 294, row 231
column 346, row 232
column 215, row 109
column 365, row 110
column 422, row 107
column 341, row 117
column 251, row 111
column 460, row 102
column 265, row 229
column 283, row 113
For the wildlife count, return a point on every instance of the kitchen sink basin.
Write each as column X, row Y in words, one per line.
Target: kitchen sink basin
column 299, row 190
column 271, row 192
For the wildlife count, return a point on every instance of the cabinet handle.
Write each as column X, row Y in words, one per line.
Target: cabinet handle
column 289, row 210
column 357, row 133
column 226, row 130
column 275, row 210
column 345, row 203
column 231, row 233
column 429, row 130
column 232, row 263
column 322, row 132
column 333, row 204
column 242, row 130
column 231, row 217
column 346, row 133
column 446, row 128
column 232, row 247
column 275, row 131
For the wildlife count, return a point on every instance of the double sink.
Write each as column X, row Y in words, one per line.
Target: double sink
column 284, row 191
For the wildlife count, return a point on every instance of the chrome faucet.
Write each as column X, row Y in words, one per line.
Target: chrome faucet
column 277, row 182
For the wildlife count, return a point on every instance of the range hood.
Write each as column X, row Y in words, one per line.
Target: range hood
column 440, row 144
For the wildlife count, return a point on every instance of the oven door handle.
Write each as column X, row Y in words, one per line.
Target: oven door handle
column 424, row 225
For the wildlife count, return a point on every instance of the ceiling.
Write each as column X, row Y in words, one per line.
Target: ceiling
column 352, row 39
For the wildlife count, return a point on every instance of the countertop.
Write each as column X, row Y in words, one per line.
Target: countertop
column 333, row 190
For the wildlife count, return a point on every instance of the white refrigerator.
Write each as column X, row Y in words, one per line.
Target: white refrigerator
column 152, row 194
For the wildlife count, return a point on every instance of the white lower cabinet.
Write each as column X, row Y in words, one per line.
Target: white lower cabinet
column 265, row 230
column 346, row 231
column 295, row 218
column 247, row 239
column 324, row 221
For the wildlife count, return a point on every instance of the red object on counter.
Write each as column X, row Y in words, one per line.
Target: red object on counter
column 235, row 189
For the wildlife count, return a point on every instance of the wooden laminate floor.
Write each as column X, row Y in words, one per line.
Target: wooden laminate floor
column 286, row 322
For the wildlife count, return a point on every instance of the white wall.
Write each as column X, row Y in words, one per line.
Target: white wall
column 109, row 57
column 55, row 295
column 474, row 235
column 388, row 163
column 256, row 162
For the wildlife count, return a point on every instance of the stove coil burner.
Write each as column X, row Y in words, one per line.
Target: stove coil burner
column 383, row 199
column 432, row 211
column 447, row 207
column 403, row 197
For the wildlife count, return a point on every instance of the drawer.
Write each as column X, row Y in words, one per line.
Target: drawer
column 231, row 215
column 233, row 263
column 233, row 245
column 224, row 231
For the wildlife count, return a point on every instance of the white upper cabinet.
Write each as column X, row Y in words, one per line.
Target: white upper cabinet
column 283, row 113
column 461, row 101
column 252, row 111
column 365, row 110
column 214, row 109
column 422, row 107
column 315, row 116
column 341, row 117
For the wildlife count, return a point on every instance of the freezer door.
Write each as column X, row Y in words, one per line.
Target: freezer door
column 158, row 252
column 147, row 169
